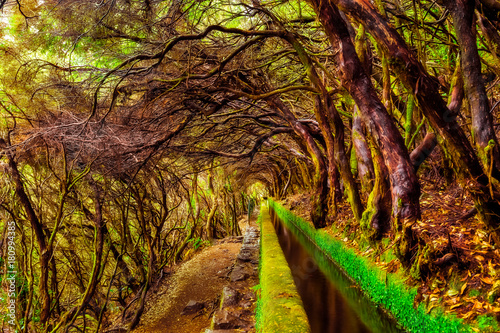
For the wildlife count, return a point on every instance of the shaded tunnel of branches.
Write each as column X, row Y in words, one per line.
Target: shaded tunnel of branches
column 134, row 131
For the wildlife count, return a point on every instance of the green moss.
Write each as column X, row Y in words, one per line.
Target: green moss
column 367, row 217
column 280, row 307
column 354, row 162
column 475, row 293
column 487, row 323
column 386, row 291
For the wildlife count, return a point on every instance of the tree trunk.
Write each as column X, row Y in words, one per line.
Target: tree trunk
column 209, row 227
column 483, row 132
column 405, row 189
column 37, row 227
column 319, row 200
column 451, row 138
column 366, row 172
column 424, row 150
column 332, row 128
column 70, row 316
column 377, row 214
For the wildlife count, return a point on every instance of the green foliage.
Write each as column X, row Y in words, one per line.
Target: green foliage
column 474, row 293
column 487, row 323
column 385, row 291
column 198, row 242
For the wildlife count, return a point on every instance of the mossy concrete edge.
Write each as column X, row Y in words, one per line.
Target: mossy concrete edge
column 281, row 309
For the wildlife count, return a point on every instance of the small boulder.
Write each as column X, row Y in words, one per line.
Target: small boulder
column 239, row 274
column 225, row 319
column 230, row 297
column 193, row 307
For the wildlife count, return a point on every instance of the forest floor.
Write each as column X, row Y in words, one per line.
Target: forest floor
column 464, row 274
column 198, row 280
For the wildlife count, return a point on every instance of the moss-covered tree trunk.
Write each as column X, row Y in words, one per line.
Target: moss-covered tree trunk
column 451, row 137
column 319, row 200
column 405, row 189
column 332, row 129
column 483, row 132
column 366, row 173
column 375, row 181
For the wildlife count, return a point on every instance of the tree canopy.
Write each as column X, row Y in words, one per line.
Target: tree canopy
column 134, row 129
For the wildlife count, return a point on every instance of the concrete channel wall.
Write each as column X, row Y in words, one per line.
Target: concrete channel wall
column 281, row 309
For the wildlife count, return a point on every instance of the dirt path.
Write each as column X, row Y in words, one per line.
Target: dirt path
column 200, row 279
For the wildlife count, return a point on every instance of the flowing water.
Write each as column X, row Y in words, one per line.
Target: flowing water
column 332, row 301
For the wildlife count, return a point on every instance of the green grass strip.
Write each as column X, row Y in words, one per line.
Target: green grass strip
column 382, row 289
column 280, row 307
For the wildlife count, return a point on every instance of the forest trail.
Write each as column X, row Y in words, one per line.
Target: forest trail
column 200, row 279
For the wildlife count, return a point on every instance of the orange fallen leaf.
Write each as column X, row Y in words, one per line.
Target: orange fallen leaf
column 478, row 305
column 487, row 280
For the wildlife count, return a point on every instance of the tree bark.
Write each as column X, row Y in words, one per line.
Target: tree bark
column 405, row 189
column 319, row 200
column 451, row 137
column 483, row 132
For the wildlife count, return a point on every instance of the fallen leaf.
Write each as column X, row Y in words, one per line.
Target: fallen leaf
column 431, row 306
column 487, row 280
column 463, row 288
column 468, row 315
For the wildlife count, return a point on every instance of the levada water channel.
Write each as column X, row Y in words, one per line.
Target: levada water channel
column 332, row 301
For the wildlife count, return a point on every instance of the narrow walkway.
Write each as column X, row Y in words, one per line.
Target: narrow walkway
column 199, row 280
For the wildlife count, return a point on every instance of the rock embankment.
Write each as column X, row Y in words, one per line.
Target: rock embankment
column 186, row 300
column 237, row 308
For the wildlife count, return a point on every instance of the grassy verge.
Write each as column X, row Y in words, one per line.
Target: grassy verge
column 382, row 289
column 279, row 308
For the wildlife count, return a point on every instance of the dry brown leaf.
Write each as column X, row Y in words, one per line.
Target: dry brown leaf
column 478, row 305
column 431, row 306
